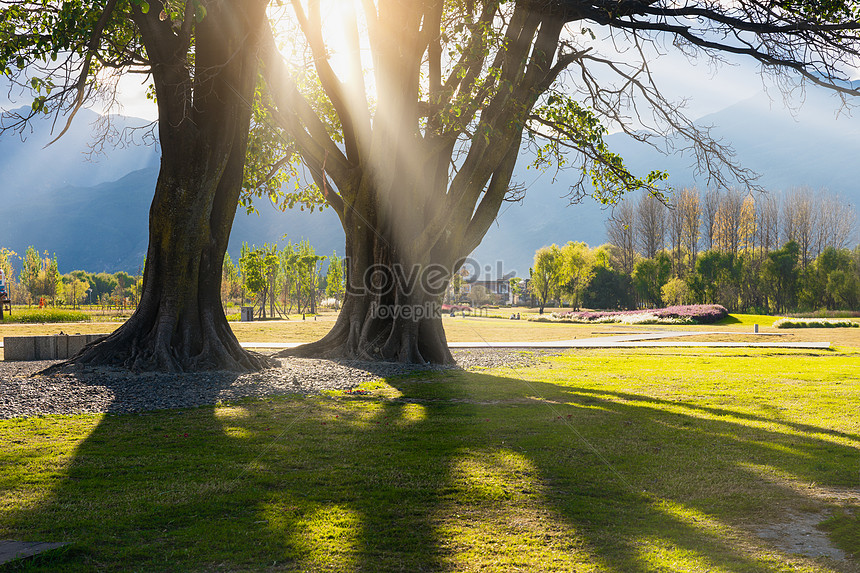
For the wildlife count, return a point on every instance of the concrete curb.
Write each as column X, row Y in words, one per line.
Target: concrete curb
column 46, row 347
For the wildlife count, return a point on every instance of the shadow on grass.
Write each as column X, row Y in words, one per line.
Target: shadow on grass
column 657, row 403
column 447, row 471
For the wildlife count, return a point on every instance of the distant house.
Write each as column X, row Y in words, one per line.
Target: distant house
column 498, row 289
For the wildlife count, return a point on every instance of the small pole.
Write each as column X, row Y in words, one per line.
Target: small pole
column 755, row 328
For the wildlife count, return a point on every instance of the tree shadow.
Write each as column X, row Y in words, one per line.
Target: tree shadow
column 805, row 428
column 433, row 471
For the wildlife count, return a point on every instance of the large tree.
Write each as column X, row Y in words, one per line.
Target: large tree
column 416, row 157
column 417, row 182
column 202, row 59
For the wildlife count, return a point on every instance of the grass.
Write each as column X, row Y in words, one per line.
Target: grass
column 747, row 320
column 471, row 329
column 822, row 313
column 44, row 315
column 621, row 461
column 474, row 329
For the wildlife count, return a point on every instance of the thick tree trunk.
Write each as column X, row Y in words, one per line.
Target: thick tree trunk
column 392, row 307
column 180, row 323
column 204, row 119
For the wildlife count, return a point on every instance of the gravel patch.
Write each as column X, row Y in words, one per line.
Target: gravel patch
column 93, row 390
column 799, row 533
column 481, row 358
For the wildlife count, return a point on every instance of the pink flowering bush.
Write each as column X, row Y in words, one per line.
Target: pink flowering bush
column 682, row 314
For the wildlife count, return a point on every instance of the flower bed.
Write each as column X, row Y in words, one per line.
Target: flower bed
column 815, row 323
column 685, row 314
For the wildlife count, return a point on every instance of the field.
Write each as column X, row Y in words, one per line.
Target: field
column 474, row 329
column 600, row 460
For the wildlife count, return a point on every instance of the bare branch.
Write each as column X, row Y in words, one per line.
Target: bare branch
column 81, row 84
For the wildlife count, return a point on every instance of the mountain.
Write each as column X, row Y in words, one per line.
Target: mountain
column 94, row 214
column 92, row 210
column 98, row 228
column 105, row 227
column 815, row 146
column 32, row 170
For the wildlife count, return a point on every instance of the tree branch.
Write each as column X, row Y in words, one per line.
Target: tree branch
column 311, row 26
column 92, row 48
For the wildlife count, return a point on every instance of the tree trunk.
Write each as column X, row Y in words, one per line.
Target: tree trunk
column 204, row 120
column 392, row 307
column 180, row 323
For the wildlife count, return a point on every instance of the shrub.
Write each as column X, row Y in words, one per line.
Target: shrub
column 42, row 315
column 682, row 314
column 815, row 323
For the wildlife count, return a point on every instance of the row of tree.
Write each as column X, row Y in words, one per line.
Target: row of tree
column 282, row 280
column 749, row 280
column 40, row 280
column 689, row 221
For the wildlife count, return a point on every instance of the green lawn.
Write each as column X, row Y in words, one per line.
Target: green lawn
column 622, row 461
column 748, row 320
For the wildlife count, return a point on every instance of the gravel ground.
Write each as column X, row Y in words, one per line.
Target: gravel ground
column 115, row 390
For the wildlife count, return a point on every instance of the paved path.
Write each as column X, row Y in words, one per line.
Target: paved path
column 11, row 550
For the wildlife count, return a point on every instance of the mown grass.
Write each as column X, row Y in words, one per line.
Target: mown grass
column 477, row 329
column 747, row 320
column 620, row 461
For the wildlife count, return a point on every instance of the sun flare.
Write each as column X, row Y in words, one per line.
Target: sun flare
column 338, row 23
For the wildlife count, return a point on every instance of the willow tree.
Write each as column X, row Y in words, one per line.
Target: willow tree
column 417, row 155
column 202, row 60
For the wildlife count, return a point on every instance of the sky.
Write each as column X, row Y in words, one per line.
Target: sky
column 707, row 89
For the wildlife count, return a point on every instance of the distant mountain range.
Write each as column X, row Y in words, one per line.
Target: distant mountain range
column 94, row 214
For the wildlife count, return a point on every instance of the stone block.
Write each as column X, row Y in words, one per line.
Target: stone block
column 51, row 347
column 75, row 343
column 93, row 337
column 46, row 348
column 17, row 348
